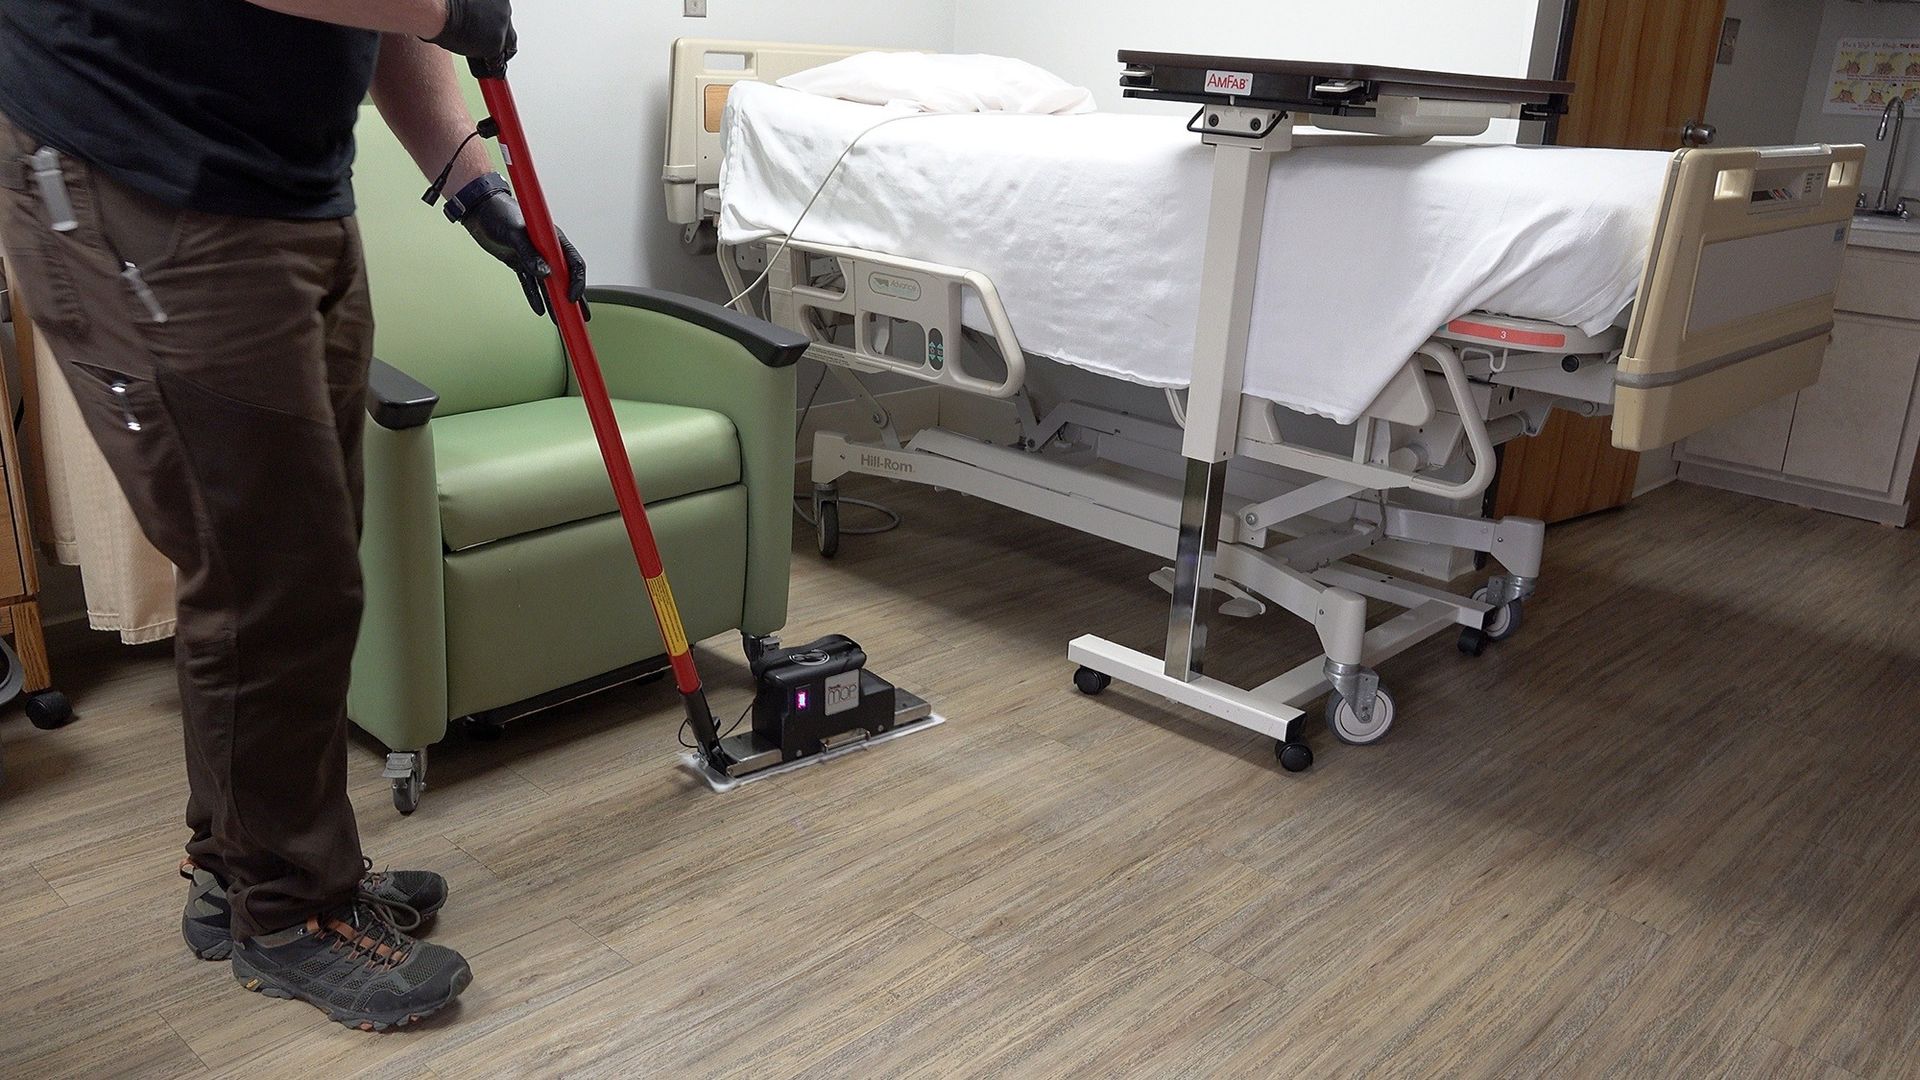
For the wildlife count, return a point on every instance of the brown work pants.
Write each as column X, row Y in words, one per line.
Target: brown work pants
column 221, row 364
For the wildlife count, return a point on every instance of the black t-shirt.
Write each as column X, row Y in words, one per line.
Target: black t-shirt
column 213, row 105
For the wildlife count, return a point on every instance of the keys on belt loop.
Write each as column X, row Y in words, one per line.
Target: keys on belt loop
column 45, row 163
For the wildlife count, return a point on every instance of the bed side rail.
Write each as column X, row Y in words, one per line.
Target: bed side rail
column 879, row 293
column 1736, row 306
column 704, row 71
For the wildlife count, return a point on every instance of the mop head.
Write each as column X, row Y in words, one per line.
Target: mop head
column 696, row 762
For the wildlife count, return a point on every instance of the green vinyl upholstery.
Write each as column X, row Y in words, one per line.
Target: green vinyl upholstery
column 545, row 451
column 496, row 567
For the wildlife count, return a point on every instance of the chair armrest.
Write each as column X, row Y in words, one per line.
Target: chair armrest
column 765, row 342
column 396, row 400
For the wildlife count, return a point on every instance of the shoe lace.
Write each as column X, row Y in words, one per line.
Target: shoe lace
column 375, row 929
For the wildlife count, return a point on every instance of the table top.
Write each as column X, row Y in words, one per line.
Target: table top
column 1323, row 86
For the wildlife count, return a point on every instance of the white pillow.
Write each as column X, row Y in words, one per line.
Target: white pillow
column 944, row 83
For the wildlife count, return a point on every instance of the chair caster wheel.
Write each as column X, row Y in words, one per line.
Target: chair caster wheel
column 49, row 709
column 407, row 772
column 1293, row 756
column 1091, row 682
column 406, row 794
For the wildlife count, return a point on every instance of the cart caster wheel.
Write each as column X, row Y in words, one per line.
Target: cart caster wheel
column 1504, row 621
column 1091, row 682
column 1473, row 642
column 49, row 709
column 829, row 528
column 1293, row 756
column 1346, row 726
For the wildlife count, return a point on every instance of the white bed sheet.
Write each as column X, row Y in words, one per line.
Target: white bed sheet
column 1093, row 229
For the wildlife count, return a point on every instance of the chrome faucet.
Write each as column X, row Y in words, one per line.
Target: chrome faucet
column 1894, row 116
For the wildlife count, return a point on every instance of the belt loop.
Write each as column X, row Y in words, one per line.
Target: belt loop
column 15, row 172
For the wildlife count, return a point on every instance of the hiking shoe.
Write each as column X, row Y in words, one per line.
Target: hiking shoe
column 207, row 924
column 355, row 965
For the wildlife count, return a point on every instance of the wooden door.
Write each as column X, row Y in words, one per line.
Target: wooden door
column 1641, row 70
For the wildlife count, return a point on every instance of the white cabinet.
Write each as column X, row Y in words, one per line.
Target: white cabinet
column 1848, row 444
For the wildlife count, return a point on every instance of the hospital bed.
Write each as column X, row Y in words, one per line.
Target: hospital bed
column 1255, row 501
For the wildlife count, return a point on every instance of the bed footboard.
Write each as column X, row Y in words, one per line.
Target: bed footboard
column 1736, row 307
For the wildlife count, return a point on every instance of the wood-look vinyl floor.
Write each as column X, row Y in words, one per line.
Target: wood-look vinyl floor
column 1673, row 829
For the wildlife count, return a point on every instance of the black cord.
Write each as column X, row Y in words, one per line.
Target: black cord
column 440, row 182
column 807, row 410
column 681, row 735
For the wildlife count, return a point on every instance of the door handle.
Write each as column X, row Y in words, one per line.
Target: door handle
column 1696, row 133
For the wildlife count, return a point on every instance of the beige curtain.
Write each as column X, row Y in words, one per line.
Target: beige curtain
column 83, row 518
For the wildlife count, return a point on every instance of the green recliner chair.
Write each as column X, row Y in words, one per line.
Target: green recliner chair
column 498, row 574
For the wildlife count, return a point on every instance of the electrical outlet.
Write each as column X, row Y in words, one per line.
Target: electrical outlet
column 696, row 9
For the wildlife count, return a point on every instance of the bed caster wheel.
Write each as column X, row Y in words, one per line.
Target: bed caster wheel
column 1293, row 756
column 407, row 773
column 1347, row 726
column 700, row 239
column 1504, row 621
column 49, row 709
column 1091, row 682
column 826, row 518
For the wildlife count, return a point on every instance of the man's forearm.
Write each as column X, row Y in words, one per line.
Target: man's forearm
column 419, row 18
column 418, row 94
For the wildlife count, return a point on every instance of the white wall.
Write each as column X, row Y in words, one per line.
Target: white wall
column 1078, row 39
column 1844, row 18
column 591, row 80
column 1756, row 100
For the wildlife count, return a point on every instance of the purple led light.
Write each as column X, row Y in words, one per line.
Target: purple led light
column 800, row 699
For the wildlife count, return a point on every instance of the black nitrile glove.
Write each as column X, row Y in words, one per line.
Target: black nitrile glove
column 482, row 29
column 492, row 215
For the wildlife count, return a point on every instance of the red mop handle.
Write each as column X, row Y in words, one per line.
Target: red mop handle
column 593, row 386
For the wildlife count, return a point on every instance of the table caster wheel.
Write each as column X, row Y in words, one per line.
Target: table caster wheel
column 828, row 528
column 1293, row 756
column 49, row 709
column 1473, row 642
column 1504, row 621
column 1091, row 682
column 1346, row 724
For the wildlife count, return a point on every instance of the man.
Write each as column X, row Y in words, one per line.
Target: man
column 175, row 195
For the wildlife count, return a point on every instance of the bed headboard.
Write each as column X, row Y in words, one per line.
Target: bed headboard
column 704, row 70
column 1736, row 307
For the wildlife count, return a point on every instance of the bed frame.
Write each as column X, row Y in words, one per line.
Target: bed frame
column 1735, row 308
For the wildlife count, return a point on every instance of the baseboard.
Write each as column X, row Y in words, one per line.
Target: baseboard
column 1779, row 489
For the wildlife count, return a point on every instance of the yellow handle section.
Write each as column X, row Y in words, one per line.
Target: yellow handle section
column 669, row 615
